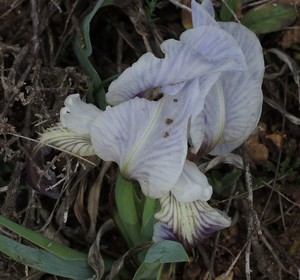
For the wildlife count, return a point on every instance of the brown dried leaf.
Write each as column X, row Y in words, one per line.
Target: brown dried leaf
column 118, row 264
column 93, row 201
column 186, row 16
column 95, row 259
column 78, row 205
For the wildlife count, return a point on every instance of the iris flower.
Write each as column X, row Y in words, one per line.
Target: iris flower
column 147, row 139
column 211, row 84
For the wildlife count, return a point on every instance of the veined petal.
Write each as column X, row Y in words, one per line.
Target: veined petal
column 163, row 232
column 207, row 125
column 250, row 46
column 78, row 115
column 209, row 88
column 201, row 51
column 208, row 6
column 148, row 139
column 243, row 104
column 215, row 45
column 203, row 14
column 192, row 185
column 190, row 222
column 232, row 107
column 68, row 140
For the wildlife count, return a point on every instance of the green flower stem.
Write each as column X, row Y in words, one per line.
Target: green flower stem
column 150, row 207
column 124, row 195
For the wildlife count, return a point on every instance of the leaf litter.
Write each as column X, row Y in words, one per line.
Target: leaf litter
column 38, row 69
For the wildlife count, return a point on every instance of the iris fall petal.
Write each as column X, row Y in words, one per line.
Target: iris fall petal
column 68, row 140
column 148, row 140
column 189, row 222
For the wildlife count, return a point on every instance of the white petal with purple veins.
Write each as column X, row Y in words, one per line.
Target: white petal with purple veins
column 163, row 232
column 190, row 222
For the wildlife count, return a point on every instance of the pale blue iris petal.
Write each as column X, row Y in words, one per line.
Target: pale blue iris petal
column 78, row 115
column 210, row 122
column 208, row 6
column 192, row 184
column 215, row 45
column 196, row 129
column 190, row 222
column 250, row 46
column 172, row 89
column 179, row 66
column 203, row 14
column 148, row 140
column 243, row 103
column 202, row 50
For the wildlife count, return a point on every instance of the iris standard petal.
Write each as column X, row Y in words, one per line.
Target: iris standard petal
column 243, row 104
column 148, row 140
column 232, row 107
column 190, row 222
column 214, row 104
column 78, row 115
column 231, row 112
column 207, row 125
column 208, row 6
column 203, row 14
column 191, row 185
column 201, row 51
column 216, row 46
column 250, row 46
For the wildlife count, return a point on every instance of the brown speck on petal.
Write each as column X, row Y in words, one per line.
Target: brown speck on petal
column 166, row 135
column 175, row 100
column 169, row 121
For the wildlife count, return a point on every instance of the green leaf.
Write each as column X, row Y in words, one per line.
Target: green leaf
column 125, row 201
column 147, row 271
column 83, row 49
column 269, row 18
column 222, row 184
column 38, row 239
column 225, row 13
column 45, row 261
column 166, row 251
